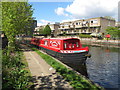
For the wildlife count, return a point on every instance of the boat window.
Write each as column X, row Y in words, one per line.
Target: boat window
column 45, row 43
column 65, row 45
column 77, row 44
column 73, row 45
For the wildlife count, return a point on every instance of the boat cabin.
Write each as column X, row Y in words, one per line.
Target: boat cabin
column 71, row 44
column 62, row 44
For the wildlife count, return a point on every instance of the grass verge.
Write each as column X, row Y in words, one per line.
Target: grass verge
column 75, row 80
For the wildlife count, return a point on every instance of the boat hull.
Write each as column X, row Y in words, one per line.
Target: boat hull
column 68, row 57
column 73, row 57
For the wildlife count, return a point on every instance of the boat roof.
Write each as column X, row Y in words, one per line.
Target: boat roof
column 60, row 38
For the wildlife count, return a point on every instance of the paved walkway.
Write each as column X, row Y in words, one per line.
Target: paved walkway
column 44, row 76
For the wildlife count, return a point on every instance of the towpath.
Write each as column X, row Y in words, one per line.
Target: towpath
column 44, row 76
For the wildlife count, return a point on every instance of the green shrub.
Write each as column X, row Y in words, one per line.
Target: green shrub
column 85, row 36
column 13, row 71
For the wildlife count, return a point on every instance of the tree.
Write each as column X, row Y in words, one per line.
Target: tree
column 47, row 30
column 113, row 31
column 41, row 30
column 0, row 17
column 16, row 19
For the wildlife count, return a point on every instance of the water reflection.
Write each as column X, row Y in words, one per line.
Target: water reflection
column 81, row 68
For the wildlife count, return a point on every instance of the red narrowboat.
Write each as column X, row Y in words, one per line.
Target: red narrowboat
column 65, row 49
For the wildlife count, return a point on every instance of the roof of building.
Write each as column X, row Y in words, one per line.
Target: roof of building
column 88, row 19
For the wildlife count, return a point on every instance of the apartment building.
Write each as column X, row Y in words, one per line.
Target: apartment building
column 37, row 30
column 84, row 26
column 54, row 29
column 88, row 26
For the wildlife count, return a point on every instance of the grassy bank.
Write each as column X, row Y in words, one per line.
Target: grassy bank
column 15, row 73
column 75, row 80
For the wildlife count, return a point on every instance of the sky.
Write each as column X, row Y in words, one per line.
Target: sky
column 51, row 12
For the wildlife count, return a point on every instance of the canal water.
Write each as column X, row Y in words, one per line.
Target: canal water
column 102, row 67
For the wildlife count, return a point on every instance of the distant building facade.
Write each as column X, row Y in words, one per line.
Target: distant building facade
column 54, row 29
column 85, row 26
column 88, row 26
column 37, row 30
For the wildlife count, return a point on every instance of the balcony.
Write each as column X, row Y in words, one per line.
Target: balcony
column 94, row 24
column 71, row 26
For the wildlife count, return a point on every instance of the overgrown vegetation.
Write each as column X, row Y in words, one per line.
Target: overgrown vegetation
column 75, row 80
column 114, row 32
column 85, row 36
column 14, row 73
column 16, row 20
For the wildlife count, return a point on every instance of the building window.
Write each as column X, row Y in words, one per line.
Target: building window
column 91, row 21
column 84, row 30
column 94, row 21
column 76, row 23
column 87, row 22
